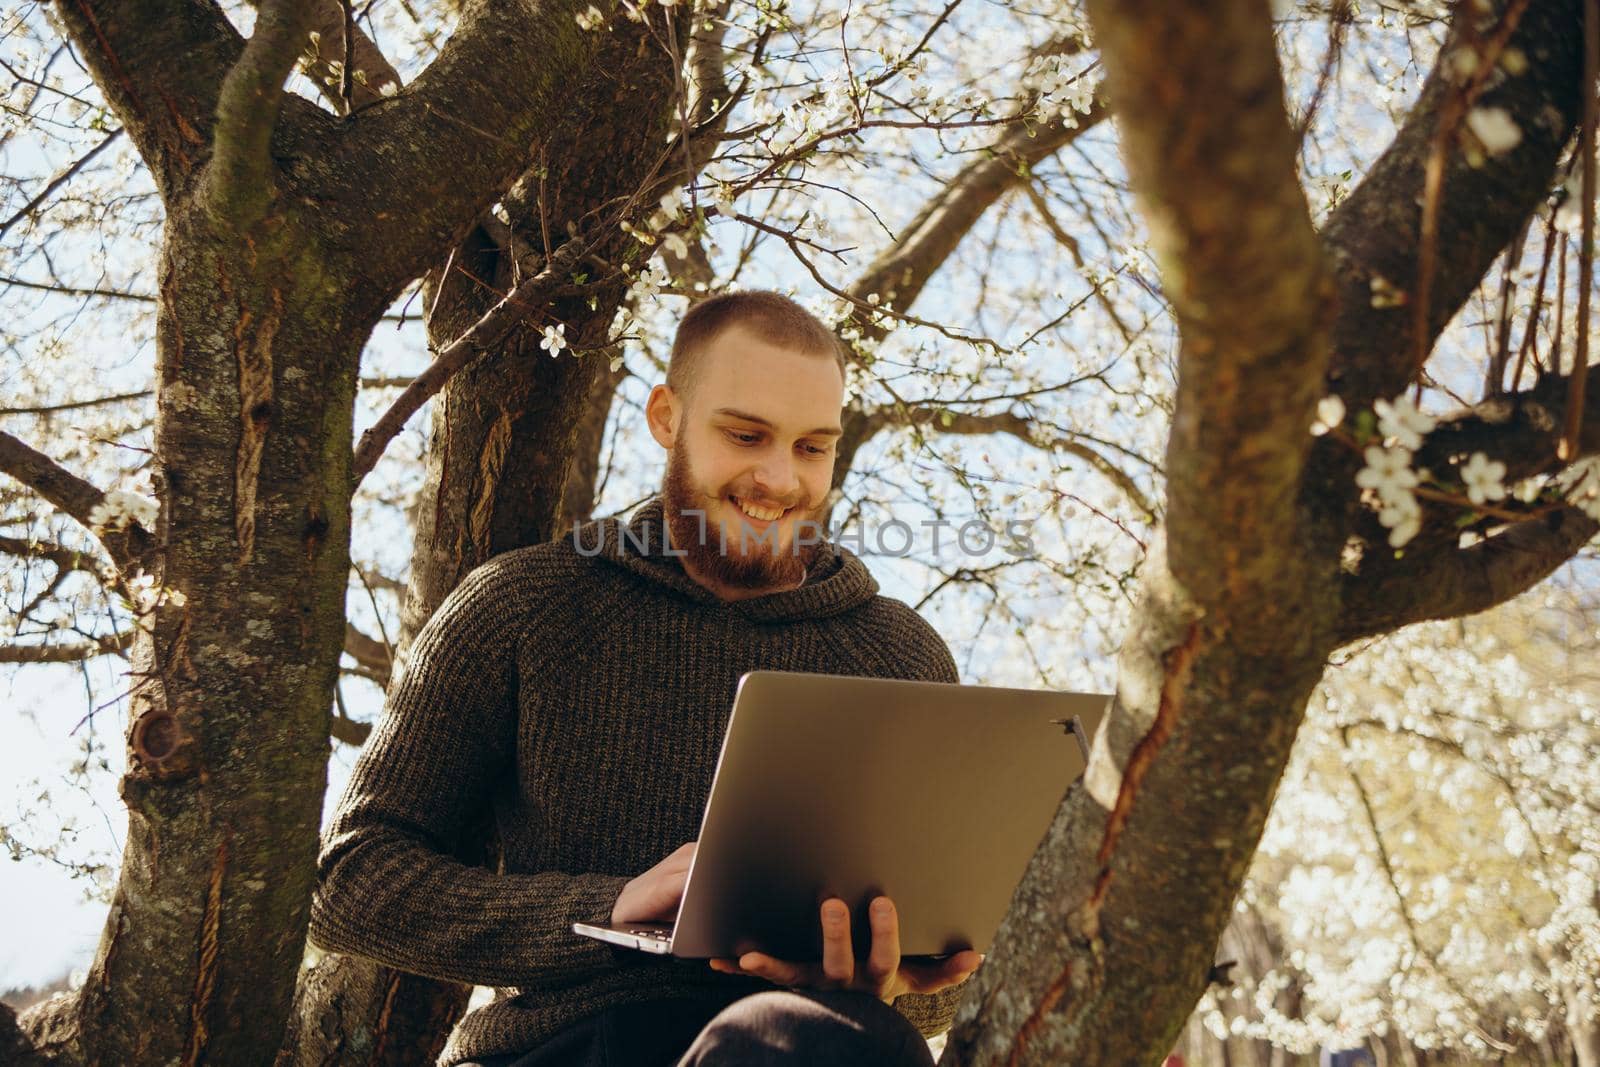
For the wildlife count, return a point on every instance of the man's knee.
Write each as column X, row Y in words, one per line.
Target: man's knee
column 785, row 1027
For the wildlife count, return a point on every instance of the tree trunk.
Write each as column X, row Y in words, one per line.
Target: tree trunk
column 583, row 480
column 228, row 726
column 1084, row 944
column 501, row 447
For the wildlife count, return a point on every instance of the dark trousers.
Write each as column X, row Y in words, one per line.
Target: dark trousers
column 776, row 1028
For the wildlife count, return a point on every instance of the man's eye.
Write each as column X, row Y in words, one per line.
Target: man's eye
column 815, row 451
column 744, row 438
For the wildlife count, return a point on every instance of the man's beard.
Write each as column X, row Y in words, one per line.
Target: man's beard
column 763, row 564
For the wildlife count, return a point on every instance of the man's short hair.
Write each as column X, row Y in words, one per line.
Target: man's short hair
column 771, row 316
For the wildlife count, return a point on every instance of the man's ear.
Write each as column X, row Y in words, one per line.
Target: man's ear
column 662, row 411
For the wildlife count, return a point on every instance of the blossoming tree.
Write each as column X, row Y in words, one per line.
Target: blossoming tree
column 551, row 172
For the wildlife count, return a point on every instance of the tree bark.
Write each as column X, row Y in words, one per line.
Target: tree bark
column 227, row 743
column 287, row 234
column 583, row 480
column 1110, row 937
column 503, row 435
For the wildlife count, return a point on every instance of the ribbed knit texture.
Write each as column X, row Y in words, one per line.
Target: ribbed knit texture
column 580, row 689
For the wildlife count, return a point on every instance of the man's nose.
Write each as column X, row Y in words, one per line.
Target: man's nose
column 775, row 477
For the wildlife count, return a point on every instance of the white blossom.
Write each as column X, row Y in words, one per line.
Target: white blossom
column 1569, row 216
column 592, row 19
column 1400, row 419
column 649, row 282
column 1494, row 128
column 1064, row 92
column 1330, row 413
column 1462, row 61
column 1402, row 516
column 1581, row 484
column 672, row 204
column 1385, row 294
column 1388, row 471
column 555, row 339
column 1484, row 478
column 118, row 508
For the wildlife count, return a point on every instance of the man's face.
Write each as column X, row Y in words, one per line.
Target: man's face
column 753, row 451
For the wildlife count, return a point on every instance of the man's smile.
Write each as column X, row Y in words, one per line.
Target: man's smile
column 759, row 512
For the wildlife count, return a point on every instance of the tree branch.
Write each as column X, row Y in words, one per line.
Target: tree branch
column 367, row 651
column 68, row 290
column 349, row 731
column 58, row 181
column 507, row 66
column 942, row 420
column 1375, row 232
column 240, row 178
column 72, row 405
column 902, row 270
column 63, row 557
column 1519, row 429
column 494, row 325
column 1070, row 243
column 159, row 64
column 328, row 23
column 899, row 274
column 72, row 495
column 1242, row 267
column 72, row 653
column 1448, row 583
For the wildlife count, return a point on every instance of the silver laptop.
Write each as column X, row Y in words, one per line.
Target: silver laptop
column 934, row 794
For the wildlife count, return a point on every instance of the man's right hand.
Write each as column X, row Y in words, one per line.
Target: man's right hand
column 654, row 896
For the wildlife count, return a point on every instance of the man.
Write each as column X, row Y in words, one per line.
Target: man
column 579, row 689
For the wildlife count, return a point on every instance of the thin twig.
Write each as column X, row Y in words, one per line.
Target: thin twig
column 1339, row 17
column 1455, row 107
column 1495, row 385
column 71, row 405
column 1532, row 328
column 58, row 181
column 1561, row 311
column 346, row 84
column 490, row 328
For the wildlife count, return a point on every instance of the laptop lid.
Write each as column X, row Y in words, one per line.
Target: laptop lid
column 932, row 793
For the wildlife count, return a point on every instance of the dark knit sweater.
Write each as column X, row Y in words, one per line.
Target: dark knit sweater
column 583, row 698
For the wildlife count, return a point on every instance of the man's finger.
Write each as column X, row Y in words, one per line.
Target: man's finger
column 838, row 962
column 884, row 958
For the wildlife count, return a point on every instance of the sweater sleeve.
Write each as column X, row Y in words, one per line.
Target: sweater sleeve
column 932, row 1013
column 388, row 885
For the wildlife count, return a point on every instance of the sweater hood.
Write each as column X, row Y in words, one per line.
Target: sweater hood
column 837, row 582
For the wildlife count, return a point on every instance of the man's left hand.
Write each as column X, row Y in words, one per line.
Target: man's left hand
column 883, row 973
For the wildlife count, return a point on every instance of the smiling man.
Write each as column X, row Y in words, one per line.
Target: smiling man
column 577, row 692
column 749, row 416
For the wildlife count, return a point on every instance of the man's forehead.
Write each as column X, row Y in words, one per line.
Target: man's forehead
column 745, row 376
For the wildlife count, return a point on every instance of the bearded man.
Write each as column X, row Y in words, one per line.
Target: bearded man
column 578, row 691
